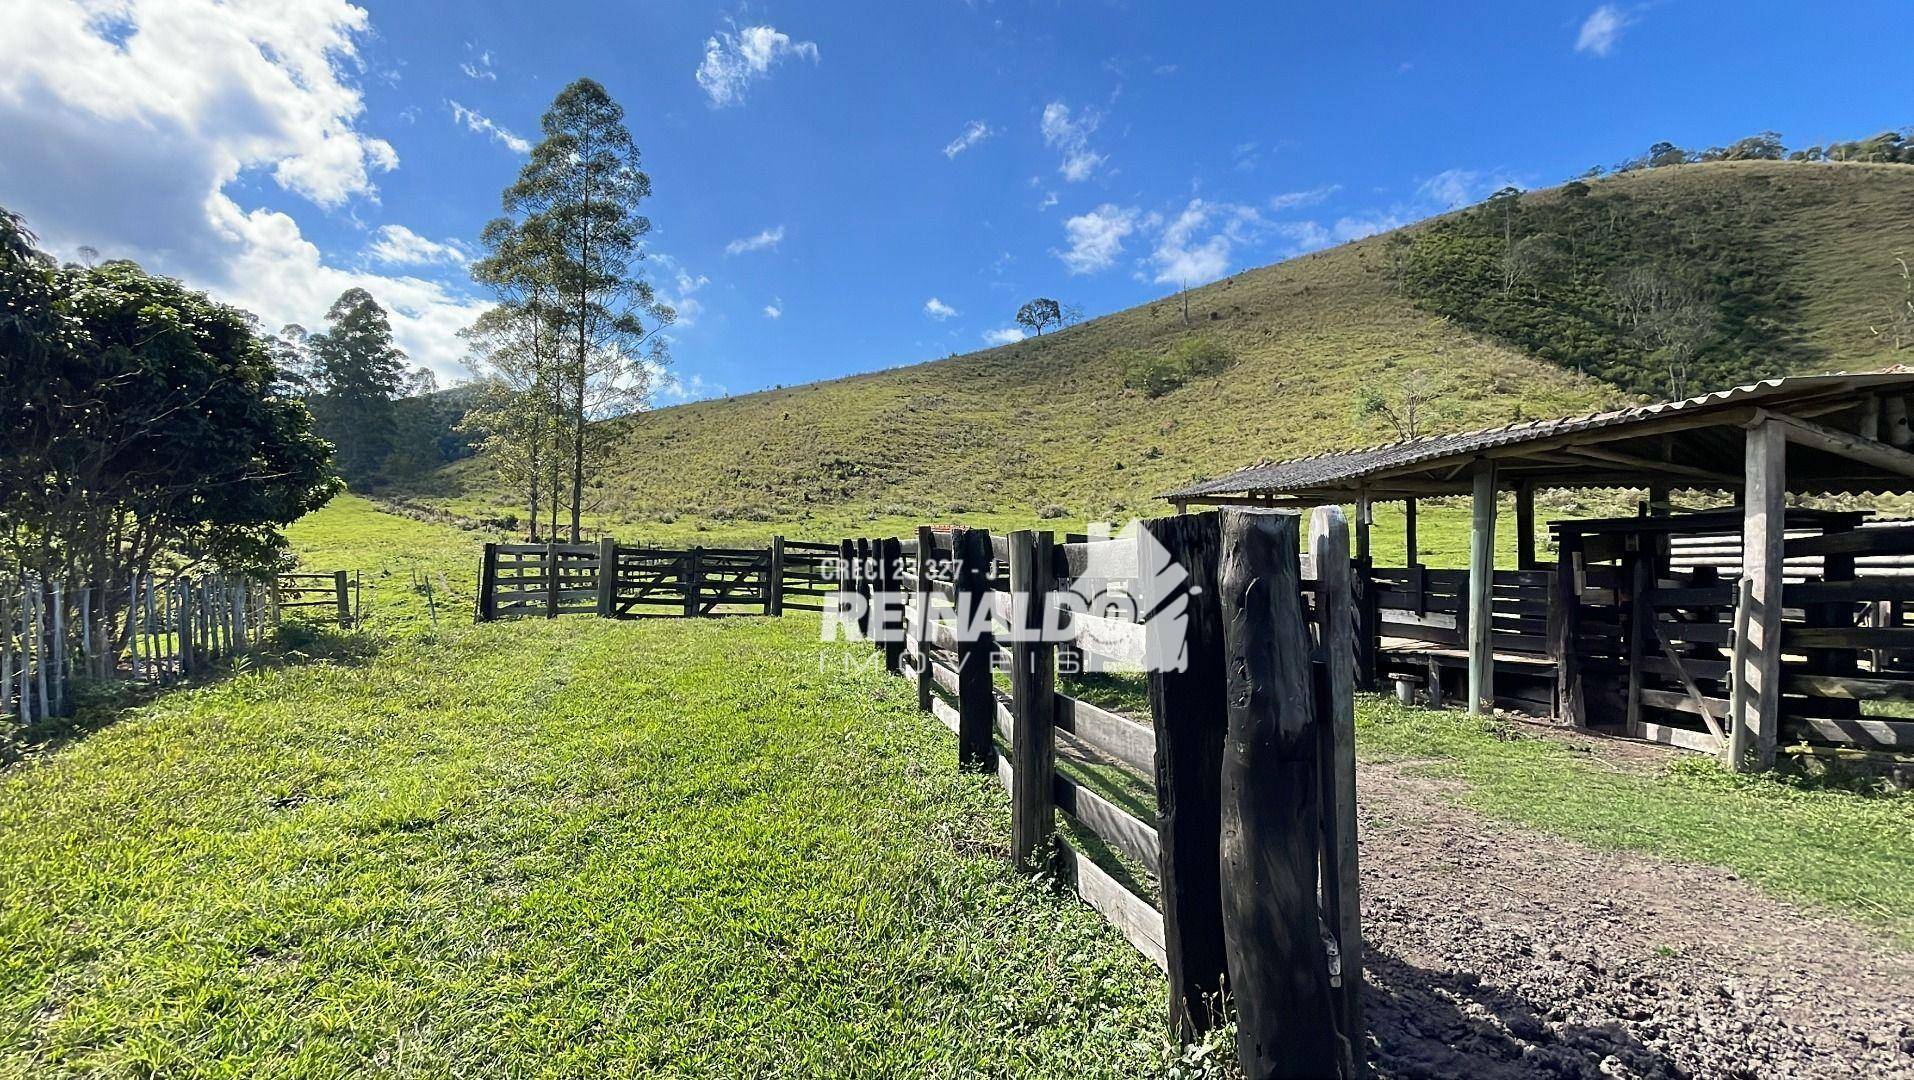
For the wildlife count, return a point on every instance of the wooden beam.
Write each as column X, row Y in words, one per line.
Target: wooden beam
column 1650, row 465
column 1755, row 703
column 1033, row 692
column 1840, row 443
column 1564, row 622
column 1482, row 591
column 1409, row 544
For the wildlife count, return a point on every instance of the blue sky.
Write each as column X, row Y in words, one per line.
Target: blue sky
column 846, row 187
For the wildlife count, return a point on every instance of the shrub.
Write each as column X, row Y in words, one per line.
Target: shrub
column 1052, row 512
column 1187, row 359
column 1200, row 356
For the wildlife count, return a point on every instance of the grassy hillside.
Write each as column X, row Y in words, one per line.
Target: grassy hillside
column 1047, row 425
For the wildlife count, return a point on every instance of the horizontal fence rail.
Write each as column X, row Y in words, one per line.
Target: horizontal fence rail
column 613, row 580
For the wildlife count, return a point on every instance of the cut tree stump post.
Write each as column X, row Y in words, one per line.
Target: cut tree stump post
column 487, row 590
column 846, row 581
column 1189, row 710
column 1755, row 700
column 1033, row 683
column 1336, row 724
column 1481, row 600
column 976, row 696
column 1271, row 810
column 551, row 581
column 694, row 580
column 1564, row 627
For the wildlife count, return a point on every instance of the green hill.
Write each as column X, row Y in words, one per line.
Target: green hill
column 1795, row 262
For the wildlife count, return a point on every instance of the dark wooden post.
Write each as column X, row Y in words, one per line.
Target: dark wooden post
column 1412, row 555
column 846, row 575
column 1638, row 579
column 926, row 555
column 342, row 597
column 607, row 576
column 1524, row 525
column 1564, row 627
column 1033, row 689
column 1336, row 759
column 694, row 579
column 1755, row 701
column 890, row 557
column 551, row 581
column 774, row 579
column 976, row 697
column 861, row 574
column 487, row 590
column 1190, row 713
column 1271, row 809
column 1368, row 611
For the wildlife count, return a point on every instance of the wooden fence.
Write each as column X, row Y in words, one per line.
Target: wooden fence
column 155, row 630
column 1249, row 746
column 549, row 580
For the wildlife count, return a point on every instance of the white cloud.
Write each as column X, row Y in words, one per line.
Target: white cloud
column 678, row 294
column 1096, row 238
column 767, row 239
column 1290, row 200
column 1602, row 29
column 1195, row 246
column 1004, row 335
column 733, row 61
column 974, row 132
column 774, row 309
column 1246, row 156
column 1451, row 188
column 679, row 389
column 1071, row 136
column 126, row 123
column 479, row 66
column 396, row 245
column 480, row 124
column 1049, row 200
column 938, row 310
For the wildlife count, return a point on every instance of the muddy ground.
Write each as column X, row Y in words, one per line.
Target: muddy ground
column 1499, row 952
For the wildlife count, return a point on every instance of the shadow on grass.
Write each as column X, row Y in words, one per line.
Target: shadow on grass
column 1433, row 1023
column 99, row 704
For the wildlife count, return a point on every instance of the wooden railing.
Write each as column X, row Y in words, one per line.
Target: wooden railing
column 549, row 580
column 1248, row 746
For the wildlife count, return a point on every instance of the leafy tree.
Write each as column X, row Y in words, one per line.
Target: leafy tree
column 357, row 371
column 139, row 429
column 576, row 229
column 1040, row 313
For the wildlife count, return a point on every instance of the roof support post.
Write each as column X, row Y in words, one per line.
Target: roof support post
column 1482, row 591
column 1525, row 524
column 1368, row 615
column 1755, row 699
column 1409, row 545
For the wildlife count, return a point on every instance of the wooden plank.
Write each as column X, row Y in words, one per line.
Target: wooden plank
column 1189, row 709
column 1111, row 823
column 1271, row 810
column 1853, row 688
column 1756, row 700
column 1481, row 576
column 1848, row 637
column 1844, row 444
column 943, row 711
column 1336, row 761
column 1124, row 739
column 1894, row 540
column 1102, row 560
column 1868, row 732
column 1114, row 639
column 1141, row 925
column 1668, row 735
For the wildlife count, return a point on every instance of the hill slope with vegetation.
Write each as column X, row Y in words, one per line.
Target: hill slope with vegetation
column 1767, row 267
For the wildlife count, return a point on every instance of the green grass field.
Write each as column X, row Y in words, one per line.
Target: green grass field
column 659, row 848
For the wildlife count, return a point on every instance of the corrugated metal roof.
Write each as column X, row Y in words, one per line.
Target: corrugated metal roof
column 1346, row 468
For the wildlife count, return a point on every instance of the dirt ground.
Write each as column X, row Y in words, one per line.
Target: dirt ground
column 1495, row 952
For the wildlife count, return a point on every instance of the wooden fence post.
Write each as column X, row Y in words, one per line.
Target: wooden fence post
column 487, row 590
column 1336, row 723
column 551, row 580
column 342, row 596
column 863, row 574
column 976, row 645
column 1033, row 686
column 1271, row 809
column 926, row 553
column 694, row 580
column 607, row 576
column 1565, row 630
column 1189, row 710
column 774, row 579
column 890, row 554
